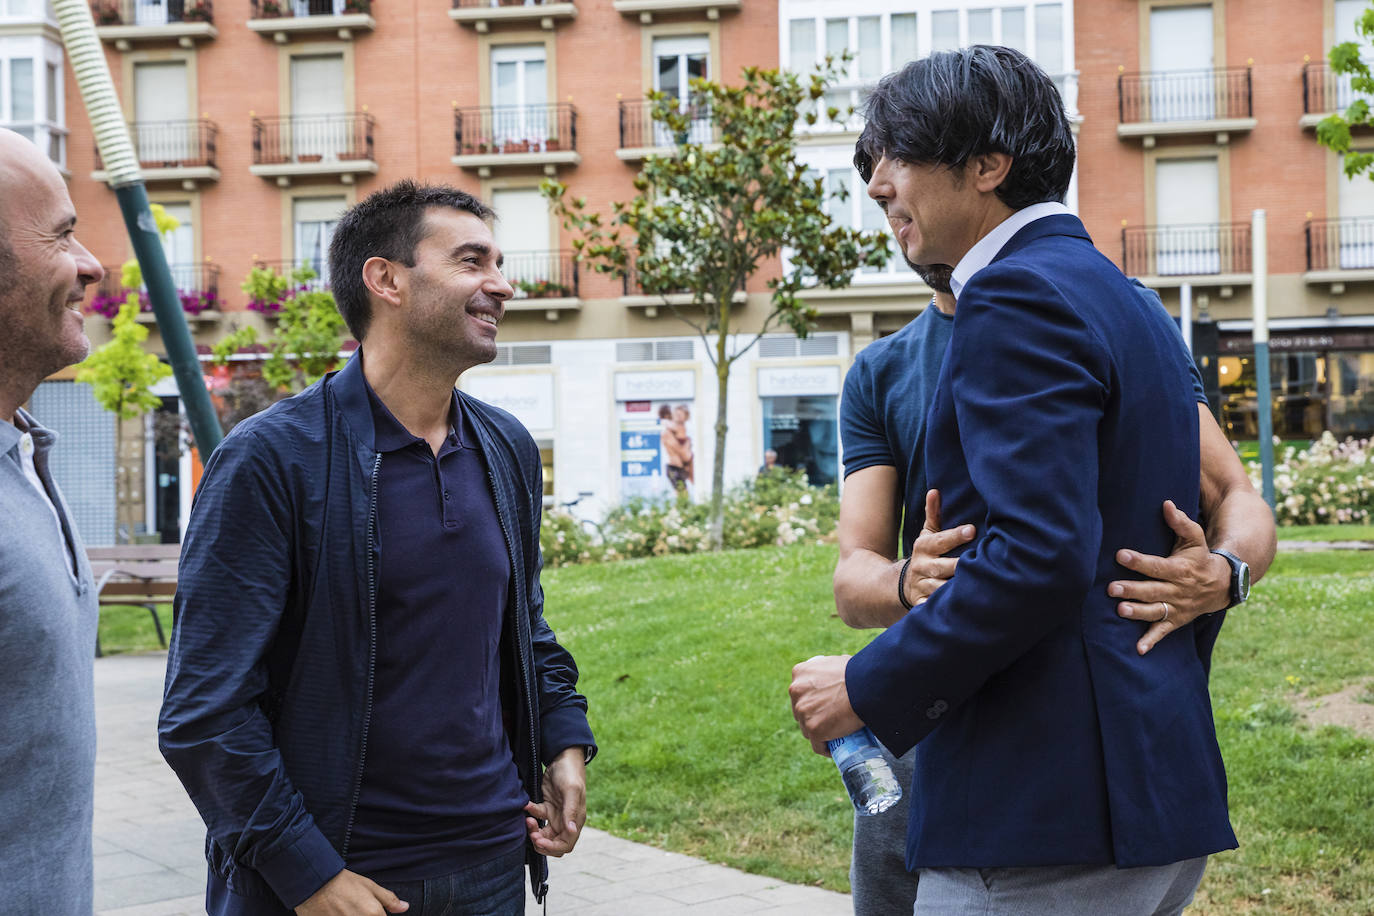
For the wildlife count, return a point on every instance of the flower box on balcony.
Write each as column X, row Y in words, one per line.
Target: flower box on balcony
column 551, row 145
column 270, row 9
column 516, row 146
column 310, row 157
column 354, row 156
column 197, row 13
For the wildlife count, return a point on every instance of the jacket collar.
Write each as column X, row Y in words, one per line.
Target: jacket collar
column 349, row 388
column 1065, row 224
column 985, row 250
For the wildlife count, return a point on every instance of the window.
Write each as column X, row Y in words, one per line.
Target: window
column 163, row 134
column 1188, row 237
column 1355, row 232
column 522, row 233
column 678, row 61
column 315, row 219
column 24, row 9
column 804, row 432
column 31, row 92
column 1182, row 86
column 881, row 42
column 519, row 95
column 319, row 127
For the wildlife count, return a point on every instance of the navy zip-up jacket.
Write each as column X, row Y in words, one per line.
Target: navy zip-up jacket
column 269, row 677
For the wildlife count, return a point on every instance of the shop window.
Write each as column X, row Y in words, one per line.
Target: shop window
column 803, row 431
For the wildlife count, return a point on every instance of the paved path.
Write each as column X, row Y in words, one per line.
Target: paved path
column 1325, row 545
column 149, row 839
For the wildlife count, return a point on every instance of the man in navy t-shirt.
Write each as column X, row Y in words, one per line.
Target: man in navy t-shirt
column 882, row 430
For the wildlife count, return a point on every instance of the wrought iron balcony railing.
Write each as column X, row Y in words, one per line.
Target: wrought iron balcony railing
column 1175, row 251
column 312, row 138
column 172, row 144
column 278, row 9
column 510, row 129
column 1185, row 95
column 638, row 129
column 151, row 12
column 476, row 4
column 542, row 274
column 197, row 285
column 1325, row 91
column 1340, row 244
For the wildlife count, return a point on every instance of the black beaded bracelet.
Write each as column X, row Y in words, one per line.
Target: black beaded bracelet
column 901, row 585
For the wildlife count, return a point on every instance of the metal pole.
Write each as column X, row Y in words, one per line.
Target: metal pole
column 121, row 164
column 1260, row 333
column 1185, row 314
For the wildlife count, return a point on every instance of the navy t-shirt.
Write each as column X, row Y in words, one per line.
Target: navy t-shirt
column 440, row 790
column 887, row 393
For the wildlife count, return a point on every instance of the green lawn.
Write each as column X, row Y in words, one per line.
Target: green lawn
column 686, row 661
column 1327, row 533
column 129, row 628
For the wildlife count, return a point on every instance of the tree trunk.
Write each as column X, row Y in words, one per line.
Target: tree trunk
column 717, row 524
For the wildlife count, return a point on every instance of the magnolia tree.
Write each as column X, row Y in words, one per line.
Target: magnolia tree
column 710, row 215
column 1333, row 131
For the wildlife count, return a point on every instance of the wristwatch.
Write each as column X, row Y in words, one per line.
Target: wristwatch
column 1240, row 578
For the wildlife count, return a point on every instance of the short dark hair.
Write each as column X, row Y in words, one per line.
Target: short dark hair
column 954, row 105
column 389, row 224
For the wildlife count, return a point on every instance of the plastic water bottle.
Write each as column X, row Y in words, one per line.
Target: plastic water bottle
column 869, row 780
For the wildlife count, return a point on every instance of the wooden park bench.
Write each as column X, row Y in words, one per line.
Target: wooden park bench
column 139, row 574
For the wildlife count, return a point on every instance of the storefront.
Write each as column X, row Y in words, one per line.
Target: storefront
column 797, row 409
column 656, row 433
column 530, row 397
column 1319, row 379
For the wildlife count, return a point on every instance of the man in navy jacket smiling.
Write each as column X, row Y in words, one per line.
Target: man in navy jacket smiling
column 363, row 699
column 1057, row 769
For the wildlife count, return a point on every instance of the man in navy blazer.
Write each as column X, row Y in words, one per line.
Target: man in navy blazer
column 1057, row 769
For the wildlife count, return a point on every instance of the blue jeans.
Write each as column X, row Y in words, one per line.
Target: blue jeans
column 495, row 888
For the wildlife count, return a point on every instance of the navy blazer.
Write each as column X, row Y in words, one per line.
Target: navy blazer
column 1063, row 418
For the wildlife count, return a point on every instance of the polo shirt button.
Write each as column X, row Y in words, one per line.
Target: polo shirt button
column 940, row 705
column 446, row 494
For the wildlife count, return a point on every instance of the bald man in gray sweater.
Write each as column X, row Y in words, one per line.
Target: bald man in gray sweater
column 47, row 600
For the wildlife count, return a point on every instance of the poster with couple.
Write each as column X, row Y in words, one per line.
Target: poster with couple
column 657, row 454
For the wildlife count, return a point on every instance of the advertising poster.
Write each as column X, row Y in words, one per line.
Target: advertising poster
column 657, row 451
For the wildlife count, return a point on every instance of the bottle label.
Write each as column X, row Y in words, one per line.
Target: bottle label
column 851, row 746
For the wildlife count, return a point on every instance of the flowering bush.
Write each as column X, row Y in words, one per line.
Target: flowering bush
column 1329, row 483
column 778, row 508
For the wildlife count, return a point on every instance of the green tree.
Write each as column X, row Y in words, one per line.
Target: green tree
column 1333, row 131
column 309, row 330
column 121, row 375
column 709, row 216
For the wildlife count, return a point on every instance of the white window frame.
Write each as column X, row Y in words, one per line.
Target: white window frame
column 49, row 135
column 821, row 10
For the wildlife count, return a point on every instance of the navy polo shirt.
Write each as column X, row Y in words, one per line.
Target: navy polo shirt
column 440, row 790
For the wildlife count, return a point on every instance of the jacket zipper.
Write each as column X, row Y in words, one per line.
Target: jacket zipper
column 371, row 649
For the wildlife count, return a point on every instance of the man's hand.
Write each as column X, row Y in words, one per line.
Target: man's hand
column 930, row 568
column 555, row 825
column 820, row 701
column 350, row 894
column 1191, row 581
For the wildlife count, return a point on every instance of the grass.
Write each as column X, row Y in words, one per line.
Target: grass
column 1327, row 533
column 129, row 628
column 686, row 661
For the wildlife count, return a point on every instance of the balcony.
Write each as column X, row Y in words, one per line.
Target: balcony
column 313, row 145
column 1212, row 255
column 544, row 281
column 172, row 151
column 634, row 294
column 641, row 136
column 646, row 9
column 126, row 22
column 197, row 285
column 515, row 136
column 1184, row 103
column 483, row 14
column 286, row 19
column 1324, row 92
column 1339, row 251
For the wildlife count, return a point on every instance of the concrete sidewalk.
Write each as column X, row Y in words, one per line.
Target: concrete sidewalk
column 149, row 838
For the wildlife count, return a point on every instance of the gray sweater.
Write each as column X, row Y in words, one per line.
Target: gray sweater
column 47, row 698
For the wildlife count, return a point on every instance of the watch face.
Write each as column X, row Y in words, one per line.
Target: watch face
column 1243, row 581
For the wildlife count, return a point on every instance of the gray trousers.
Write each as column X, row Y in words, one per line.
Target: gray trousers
column 877, row 872
column 1065, row 890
